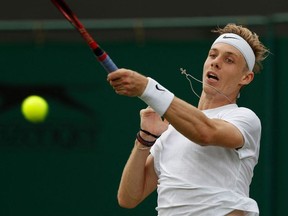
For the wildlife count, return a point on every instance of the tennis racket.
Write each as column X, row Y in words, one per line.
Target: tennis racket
column 101, row 55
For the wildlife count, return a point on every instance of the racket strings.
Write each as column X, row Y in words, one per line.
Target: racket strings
column 189, row 76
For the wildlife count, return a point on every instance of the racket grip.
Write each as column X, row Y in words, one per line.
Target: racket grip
column 108, row 64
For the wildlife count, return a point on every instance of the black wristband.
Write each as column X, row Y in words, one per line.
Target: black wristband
column 148, row 133
column 143, row 141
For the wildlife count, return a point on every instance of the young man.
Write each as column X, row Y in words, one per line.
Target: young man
column 202, row 164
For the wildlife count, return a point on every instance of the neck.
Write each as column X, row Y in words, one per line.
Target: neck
column 211, row 102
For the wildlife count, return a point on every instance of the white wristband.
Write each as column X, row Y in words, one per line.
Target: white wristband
column 157, row 97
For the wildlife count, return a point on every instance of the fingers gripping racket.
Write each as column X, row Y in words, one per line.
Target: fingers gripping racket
column 101, row 55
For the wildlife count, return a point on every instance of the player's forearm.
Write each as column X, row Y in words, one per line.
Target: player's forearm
column 132, row 185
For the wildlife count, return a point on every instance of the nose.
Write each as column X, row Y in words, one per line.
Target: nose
column 215, row 63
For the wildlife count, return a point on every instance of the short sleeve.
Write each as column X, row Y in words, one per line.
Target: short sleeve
column 250, row 126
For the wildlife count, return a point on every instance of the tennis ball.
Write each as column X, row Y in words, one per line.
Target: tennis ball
column 35, row 109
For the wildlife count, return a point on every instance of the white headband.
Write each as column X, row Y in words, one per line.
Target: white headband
column 240, row 44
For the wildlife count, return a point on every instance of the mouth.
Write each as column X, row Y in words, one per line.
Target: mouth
column 212, row 76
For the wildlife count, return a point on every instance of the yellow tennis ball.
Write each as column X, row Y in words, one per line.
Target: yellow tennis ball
column 35, row 109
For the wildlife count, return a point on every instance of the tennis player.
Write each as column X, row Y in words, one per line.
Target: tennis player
column 202, row 161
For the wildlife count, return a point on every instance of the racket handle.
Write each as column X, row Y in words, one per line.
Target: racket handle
column 104, row 59
column 108, row 64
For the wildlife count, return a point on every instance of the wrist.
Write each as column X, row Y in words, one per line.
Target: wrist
column 146, row 137
column 143, row 141
column 140, row 146
column 157, row 97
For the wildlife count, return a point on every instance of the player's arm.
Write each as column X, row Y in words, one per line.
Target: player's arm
column 138, row 178
column 187, row 119
column 196, row 126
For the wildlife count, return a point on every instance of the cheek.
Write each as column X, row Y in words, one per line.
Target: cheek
column 232, row 82
column 206, row 64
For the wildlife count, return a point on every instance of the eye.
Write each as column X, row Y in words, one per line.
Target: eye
column 229, row 60
column 212, row 55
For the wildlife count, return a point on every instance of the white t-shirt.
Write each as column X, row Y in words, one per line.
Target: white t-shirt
column 199, row 180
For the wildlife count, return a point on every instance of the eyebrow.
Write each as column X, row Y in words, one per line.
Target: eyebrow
column 226, row 52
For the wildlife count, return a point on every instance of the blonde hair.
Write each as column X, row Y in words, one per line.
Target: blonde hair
column 260, row 51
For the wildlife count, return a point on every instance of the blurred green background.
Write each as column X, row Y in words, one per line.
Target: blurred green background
column 72, row 163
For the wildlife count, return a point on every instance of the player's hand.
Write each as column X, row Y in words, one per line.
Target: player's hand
column 127, row 82
column 152, row 122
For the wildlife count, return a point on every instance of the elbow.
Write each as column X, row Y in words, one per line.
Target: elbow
column 204, row 141
column 204, row 138
column 126, row 203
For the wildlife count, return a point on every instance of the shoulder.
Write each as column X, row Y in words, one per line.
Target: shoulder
column 233, row 113
column 247, row 122
column 243, row 114
column 244, row 119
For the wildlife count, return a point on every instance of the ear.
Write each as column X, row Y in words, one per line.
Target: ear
column 247, row 78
